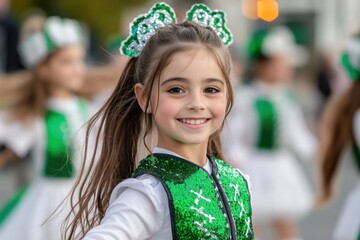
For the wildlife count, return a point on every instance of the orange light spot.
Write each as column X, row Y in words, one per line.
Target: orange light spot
column 249, row 9
column 267, row 10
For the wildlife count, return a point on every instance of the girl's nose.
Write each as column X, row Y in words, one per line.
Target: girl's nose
column 196, row 102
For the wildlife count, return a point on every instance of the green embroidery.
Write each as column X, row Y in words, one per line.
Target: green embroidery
column 267, row 117
column 195, row 200
column 240, row 200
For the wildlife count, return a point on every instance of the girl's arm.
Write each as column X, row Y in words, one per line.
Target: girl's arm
column 102, row 79
column 298, row 135
column 138, row 210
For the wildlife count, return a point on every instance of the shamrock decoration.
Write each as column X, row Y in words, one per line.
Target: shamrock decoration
column 160, row 15
column 144, row 26
column 202, row 15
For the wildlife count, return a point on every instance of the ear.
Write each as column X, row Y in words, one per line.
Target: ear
column 141, row 98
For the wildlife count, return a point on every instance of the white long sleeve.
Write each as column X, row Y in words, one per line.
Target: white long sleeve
column 138, row 210
column 297, row 134
column 16, row 135
column 236, row 138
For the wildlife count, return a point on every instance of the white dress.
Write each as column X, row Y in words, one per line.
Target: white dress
column 280, row 188
column 45, row 193
column 348, row 225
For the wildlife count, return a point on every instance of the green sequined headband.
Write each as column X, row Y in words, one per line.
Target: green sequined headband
column 161, row 14
column 57, row 33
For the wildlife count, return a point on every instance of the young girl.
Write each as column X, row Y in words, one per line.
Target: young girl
column 265, row 130
column 176, row 81
column 340, row 127
column 41, row 118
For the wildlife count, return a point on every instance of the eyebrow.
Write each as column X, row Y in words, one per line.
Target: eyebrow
column 180, row 79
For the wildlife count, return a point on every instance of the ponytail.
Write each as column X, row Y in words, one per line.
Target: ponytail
column 336, row 135
column 120, row 128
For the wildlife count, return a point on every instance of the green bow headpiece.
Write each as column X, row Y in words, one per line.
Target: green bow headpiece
column 161, row 14
column 57, row 33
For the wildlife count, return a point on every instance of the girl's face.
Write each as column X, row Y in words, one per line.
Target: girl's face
column 65, row 70
column 189, row 102
column 277, row 70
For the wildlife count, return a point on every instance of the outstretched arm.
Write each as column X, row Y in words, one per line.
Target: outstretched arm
column 136, row 211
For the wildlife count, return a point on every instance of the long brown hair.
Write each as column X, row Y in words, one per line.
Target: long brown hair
column 336, row 132
column 123, row 123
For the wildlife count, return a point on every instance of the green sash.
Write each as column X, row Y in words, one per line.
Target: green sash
column 268, row 124
column 11, row 204
column 58, row 153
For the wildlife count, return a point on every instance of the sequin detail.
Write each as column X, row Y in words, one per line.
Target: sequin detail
column 202, row 15
column 161, row 14
column 144, row 26
column 194, row 200
column 237, row 190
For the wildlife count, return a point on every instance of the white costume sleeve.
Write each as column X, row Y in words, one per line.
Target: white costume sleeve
column 236, row 137
column 17, row 136
column 356, row 127
column 138, row 210
column 297, row 134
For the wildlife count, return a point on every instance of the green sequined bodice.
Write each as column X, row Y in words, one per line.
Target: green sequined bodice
column 202, row 206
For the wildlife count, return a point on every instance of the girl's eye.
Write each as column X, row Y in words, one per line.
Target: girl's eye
column 176, row 90
column 211, row 90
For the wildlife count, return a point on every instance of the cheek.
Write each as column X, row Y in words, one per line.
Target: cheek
column 218, row 109
column 167, row 107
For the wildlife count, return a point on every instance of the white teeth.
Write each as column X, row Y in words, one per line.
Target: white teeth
column 193, row 121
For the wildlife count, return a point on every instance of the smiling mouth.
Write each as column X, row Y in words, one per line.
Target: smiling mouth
column 190, row 121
